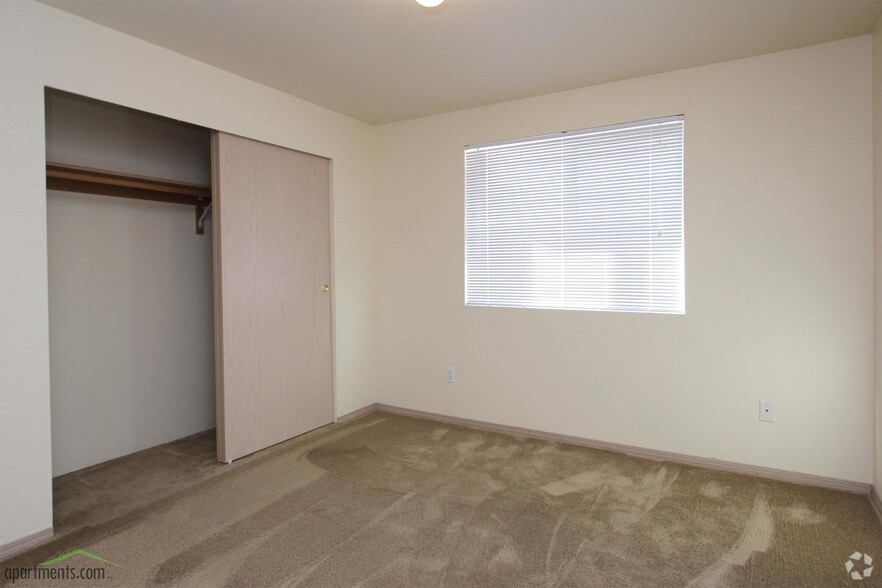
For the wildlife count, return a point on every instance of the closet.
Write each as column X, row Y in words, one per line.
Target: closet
column 189, row 285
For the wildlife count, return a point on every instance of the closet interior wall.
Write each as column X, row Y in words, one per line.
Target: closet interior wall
column 130, row 289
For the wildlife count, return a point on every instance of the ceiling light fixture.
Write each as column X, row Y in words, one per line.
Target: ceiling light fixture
column 430, row 3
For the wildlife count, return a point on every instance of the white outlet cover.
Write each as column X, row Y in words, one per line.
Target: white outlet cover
column 450, row 375
column 767, row 411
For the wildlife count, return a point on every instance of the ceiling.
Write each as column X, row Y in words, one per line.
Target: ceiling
column 387, row 60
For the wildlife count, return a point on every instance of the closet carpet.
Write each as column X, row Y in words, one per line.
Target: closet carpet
column 395, row 501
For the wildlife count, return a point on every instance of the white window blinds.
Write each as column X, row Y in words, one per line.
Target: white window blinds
column 585, row 220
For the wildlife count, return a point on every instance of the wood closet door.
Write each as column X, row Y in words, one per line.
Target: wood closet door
column 271, row 216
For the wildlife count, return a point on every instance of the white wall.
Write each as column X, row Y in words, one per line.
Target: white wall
column 131, row 333
column 779, row 274
column 41, row 46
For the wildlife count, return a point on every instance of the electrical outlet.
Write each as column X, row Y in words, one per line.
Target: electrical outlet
column 767, row 411
column 450, row 375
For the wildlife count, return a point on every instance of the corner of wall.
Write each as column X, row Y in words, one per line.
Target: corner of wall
column 877, row 256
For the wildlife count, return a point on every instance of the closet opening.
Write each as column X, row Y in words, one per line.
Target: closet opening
column 131, row 303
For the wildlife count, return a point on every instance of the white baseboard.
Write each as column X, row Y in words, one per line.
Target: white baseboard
column 654, row 454
column 357, row 414
column 19, row 545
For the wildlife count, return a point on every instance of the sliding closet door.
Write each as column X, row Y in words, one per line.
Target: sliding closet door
column 272, row 306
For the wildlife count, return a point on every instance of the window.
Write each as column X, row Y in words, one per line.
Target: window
column 583, row 220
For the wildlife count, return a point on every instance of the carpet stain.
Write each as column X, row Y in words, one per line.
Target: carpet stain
column 801, row 514
column 587, row 480
column 471, row 487
column 505, row 561
column 644, row 496
column 756, row 537
column 713, row 490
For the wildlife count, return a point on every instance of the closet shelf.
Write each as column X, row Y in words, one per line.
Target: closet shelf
column 85, row 180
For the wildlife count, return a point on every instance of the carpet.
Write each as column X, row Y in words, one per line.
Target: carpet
column 397, row 501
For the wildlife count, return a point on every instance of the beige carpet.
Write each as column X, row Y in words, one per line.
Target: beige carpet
column 395, row 501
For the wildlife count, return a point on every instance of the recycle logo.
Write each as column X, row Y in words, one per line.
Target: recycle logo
column 856, row 557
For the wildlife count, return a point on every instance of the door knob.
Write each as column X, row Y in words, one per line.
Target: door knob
column 325, row 288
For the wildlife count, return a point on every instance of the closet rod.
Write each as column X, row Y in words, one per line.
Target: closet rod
column 85, row 180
